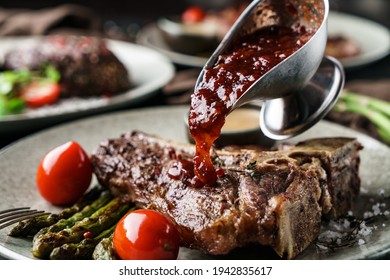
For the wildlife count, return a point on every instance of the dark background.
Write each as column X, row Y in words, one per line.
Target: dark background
column 378, row 10
column 137, row 13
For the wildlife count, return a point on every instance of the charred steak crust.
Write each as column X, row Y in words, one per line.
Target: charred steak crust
column 273, row 198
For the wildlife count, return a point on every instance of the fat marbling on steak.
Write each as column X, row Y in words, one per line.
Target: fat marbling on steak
column 273, row 198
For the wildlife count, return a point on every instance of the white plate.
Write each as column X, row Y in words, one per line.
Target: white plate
column 19, row 161
column 373, row 38
column 148, row 69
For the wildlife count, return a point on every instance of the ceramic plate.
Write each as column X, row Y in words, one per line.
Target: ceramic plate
column 373, row 38
column 18, row 163
column 149, row 70
column 151, row 37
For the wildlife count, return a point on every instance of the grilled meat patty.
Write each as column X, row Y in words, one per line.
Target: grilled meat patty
column 273, row 198
column 86, row 64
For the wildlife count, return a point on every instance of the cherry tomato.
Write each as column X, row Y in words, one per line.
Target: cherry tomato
column 38, row 94
column 146, row 235
column 193, row 14
column 64, row 174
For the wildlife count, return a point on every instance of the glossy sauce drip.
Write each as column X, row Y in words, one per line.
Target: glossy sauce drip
column 228, row 79
column 183, row 170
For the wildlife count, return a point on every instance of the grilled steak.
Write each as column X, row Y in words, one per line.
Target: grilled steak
column 273, row 198
column 86, row 65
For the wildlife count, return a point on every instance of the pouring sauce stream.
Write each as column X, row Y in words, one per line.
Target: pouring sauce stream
column 222, row 84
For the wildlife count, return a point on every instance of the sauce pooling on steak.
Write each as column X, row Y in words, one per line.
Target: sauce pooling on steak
column 227, row 80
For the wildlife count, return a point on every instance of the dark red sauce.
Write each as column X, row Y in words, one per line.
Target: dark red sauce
column 227, row 80
column 183, row 170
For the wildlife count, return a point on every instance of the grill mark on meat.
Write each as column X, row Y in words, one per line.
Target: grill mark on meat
column 279, row 202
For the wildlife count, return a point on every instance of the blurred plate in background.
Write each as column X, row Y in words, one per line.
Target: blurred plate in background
column 150, row 36
column 372, row 38
column 149, row 71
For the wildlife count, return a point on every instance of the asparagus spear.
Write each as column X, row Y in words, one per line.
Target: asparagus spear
column 102, row 219
column 32, row 226
column 84, row 249
column 88, row 210
column 104, row 250
column 376, row 104
column 376, row 110
column 79, row 251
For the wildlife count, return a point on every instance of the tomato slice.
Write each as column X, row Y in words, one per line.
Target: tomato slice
column 64, row 174
column 146, row 235
column 193, row 14
column 38, row 94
